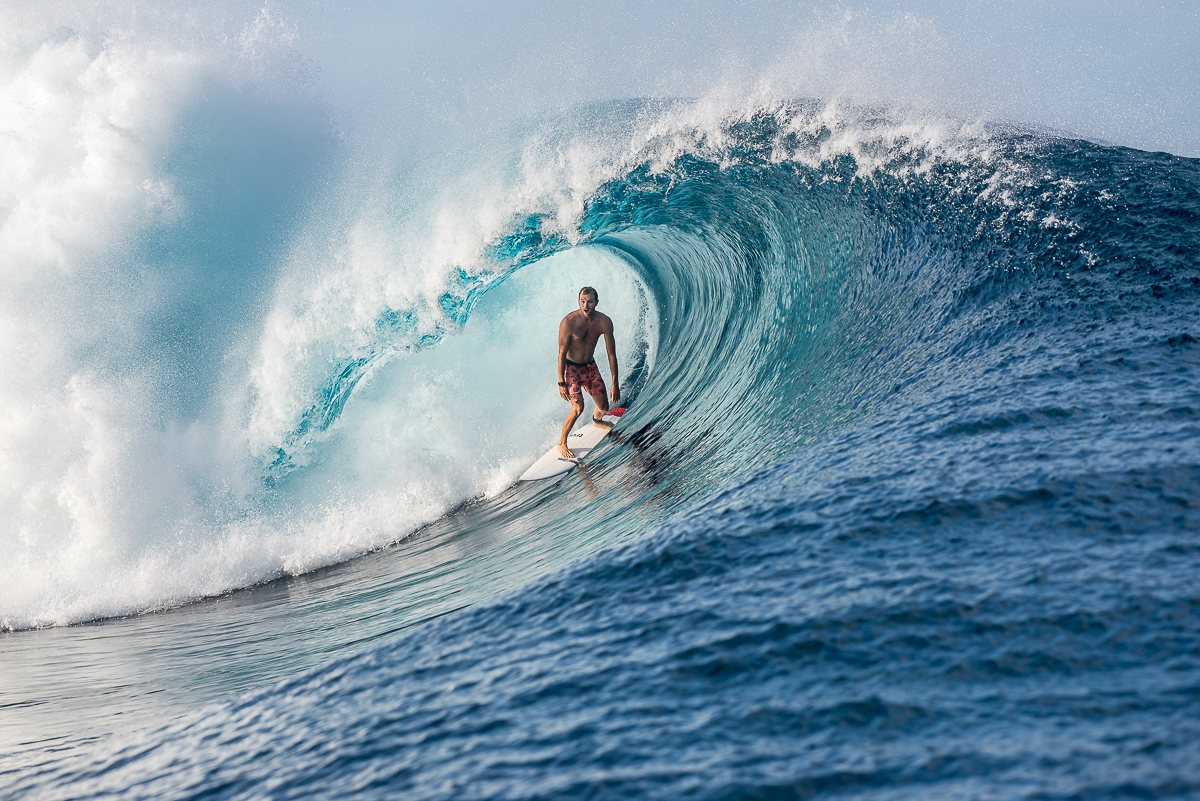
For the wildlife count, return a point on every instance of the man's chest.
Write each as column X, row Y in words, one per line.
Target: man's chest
column 584, row 333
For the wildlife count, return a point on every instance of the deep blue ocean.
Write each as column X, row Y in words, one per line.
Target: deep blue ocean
column 906, row 503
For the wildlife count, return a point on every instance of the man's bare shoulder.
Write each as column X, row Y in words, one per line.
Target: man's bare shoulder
column 604, row 320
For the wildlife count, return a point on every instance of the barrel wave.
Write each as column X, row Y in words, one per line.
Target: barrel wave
column 904, row 503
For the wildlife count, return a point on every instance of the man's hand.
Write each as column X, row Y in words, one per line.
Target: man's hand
column 616, row 393
column 562, row 392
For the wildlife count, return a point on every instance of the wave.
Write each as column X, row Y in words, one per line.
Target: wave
column 229, row 360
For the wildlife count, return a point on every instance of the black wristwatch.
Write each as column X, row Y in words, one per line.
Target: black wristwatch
column 562, row 383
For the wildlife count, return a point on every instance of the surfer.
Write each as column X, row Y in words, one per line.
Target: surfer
column 578, row 334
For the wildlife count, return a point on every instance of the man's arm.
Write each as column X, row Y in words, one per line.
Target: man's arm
column 610, row 345
column 564, row 339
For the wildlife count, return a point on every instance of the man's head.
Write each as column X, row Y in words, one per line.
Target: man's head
column 588, row 300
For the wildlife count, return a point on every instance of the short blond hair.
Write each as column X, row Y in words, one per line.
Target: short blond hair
column 587, row 290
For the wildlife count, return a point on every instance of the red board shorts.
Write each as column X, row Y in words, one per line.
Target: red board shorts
column 583, row 376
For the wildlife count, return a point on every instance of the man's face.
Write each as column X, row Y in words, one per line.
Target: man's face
column 587, row 304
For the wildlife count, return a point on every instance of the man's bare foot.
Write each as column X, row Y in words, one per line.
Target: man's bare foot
column 564, row 452
column 599, row 423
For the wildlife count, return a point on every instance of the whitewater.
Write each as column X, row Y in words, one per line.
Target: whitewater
column 904, row 503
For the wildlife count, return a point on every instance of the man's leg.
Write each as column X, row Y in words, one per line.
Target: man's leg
column 572, row 416
column 595, row 387
column 601, row 400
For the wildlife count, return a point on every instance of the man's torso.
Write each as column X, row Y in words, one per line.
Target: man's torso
column 583, row 334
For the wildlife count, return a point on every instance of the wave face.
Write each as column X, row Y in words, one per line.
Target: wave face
column 904, row 503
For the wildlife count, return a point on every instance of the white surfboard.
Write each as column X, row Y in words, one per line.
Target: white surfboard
column 581, row 442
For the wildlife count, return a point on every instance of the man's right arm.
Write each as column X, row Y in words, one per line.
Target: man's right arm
column 564, row 339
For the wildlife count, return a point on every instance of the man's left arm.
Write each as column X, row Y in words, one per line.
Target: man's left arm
column 611, row 345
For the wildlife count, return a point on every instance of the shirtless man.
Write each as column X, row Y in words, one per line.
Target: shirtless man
column 578, row 334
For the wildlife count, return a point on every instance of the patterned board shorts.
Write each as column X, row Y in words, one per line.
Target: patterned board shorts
column 583, row 376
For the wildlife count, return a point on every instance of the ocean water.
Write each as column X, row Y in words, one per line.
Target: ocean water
column 905, row 504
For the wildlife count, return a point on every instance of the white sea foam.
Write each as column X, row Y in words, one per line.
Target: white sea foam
column 98, row 469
